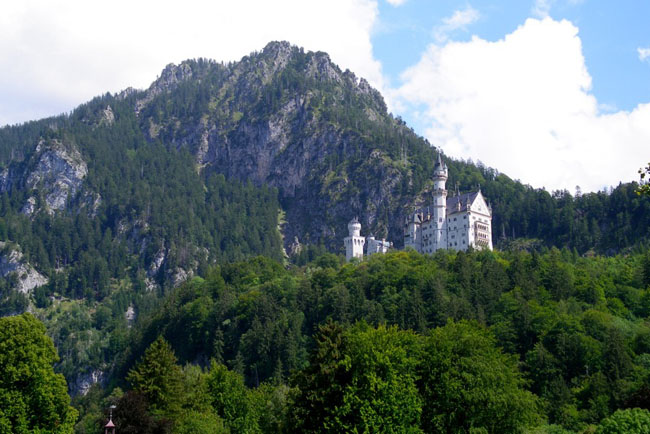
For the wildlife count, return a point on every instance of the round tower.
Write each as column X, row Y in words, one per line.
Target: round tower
column 354, row 242
column 440, row 175
column 354, row 227
column 439, row 217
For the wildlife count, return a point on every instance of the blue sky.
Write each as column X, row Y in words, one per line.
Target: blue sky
column 611, row 33
column 555, row 93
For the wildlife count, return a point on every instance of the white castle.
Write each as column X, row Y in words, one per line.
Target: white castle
column 354, row 243
column 458, row 222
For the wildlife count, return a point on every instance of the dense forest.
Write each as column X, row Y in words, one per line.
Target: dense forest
column 520, row 341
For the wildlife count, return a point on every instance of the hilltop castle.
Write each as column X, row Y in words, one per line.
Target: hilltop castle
column 458, row 222
column 354, row 243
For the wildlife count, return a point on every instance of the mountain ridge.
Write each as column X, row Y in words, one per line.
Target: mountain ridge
column 283, row 119
column 202, row 167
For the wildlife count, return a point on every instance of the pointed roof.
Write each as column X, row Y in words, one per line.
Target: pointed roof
column 439, row 163
column 465, row 200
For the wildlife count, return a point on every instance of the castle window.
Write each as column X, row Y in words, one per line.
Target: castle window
column 454, row 218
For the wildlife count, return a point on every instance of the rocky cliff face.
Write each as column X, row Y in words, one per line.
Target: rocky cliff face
column 283, row 118
column 55, row 173
column 16, row 269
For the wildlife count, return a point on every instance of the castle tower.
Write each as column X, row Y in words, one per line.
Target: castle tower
column 354, row 242
column 439, row 216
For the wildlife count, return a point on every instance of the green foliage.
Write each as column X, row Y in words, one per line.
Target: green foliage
column 230, row 399
column 158, row 378
column 320, row 387
column 644, row 186
column 382, row 395
column 32, row 397
column 574, row 327
column 133, row 416
column 468, row 383
column 386, row 380
column 630, row 421
column 200, row 423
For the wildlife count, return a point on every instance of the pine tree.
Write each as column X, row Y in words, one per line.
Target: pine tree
column 158, row 378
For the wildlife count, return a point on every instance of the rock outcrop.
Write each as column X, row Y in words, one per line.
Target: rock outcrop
column 281, row 117
column 55, row 172
column 83, row 382
column 12, row 262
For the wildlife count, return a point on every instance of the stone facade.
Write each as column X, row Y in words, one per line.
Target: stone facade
column 355, row 243
column 458, row 222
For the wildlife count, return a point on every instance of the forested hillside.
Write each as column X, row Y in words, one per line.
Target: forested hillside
column 194, row 171
column 206, row 175
column 514, row 339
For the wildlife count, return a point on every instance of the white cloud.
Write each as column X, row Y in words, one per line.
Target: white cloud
column 523, row 105
column 644, row 53
column 459, row 20
column 396, row 2
column 57, row 54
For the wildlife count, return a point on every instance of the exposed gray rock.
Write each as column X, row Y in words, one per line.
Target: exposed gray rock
column 179, row 275
column 156, row 263
column 130, row 316
column 291, row 146
column 29, row 208
column 9, row 177
column 85, row 381
column 150, row 284
column 89, row 202
column 12, row 261
column 169, row 78
column 108, row 117
column 295, row 248
column 57, row 172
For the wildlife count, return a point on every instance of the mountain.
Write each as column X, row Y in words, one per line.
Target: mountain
column 131, row 194
column 294, row 137
column 294, row 121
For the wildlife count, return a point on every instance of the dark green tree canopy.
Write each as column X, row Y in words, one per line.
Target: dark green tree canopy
column 158, row 378
column 32, row 397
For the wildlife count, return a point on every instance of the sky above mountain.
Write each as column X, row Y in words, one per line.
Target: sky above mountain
column 555, row 93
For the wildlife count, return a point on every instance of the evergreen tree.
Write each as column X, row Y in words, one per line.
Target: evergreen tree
column 158, row 378
column 32, row 397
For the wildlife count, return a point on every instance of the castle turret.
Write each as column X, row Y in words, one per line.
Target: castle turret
column 354, row 242
column 439, row 216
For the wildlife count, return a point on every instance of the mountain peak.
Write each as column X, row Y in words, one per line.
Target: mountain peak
column 279, row 47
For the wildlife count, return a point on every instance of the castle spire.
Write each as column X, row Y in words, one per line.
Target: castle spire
column 439, row 162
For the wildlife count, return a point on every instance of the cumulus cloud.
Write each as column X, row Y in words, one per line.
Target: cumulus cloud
column 59, row 53
column 396, row 2
column 523, row 104
column 460, row 19
column 644, row 53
